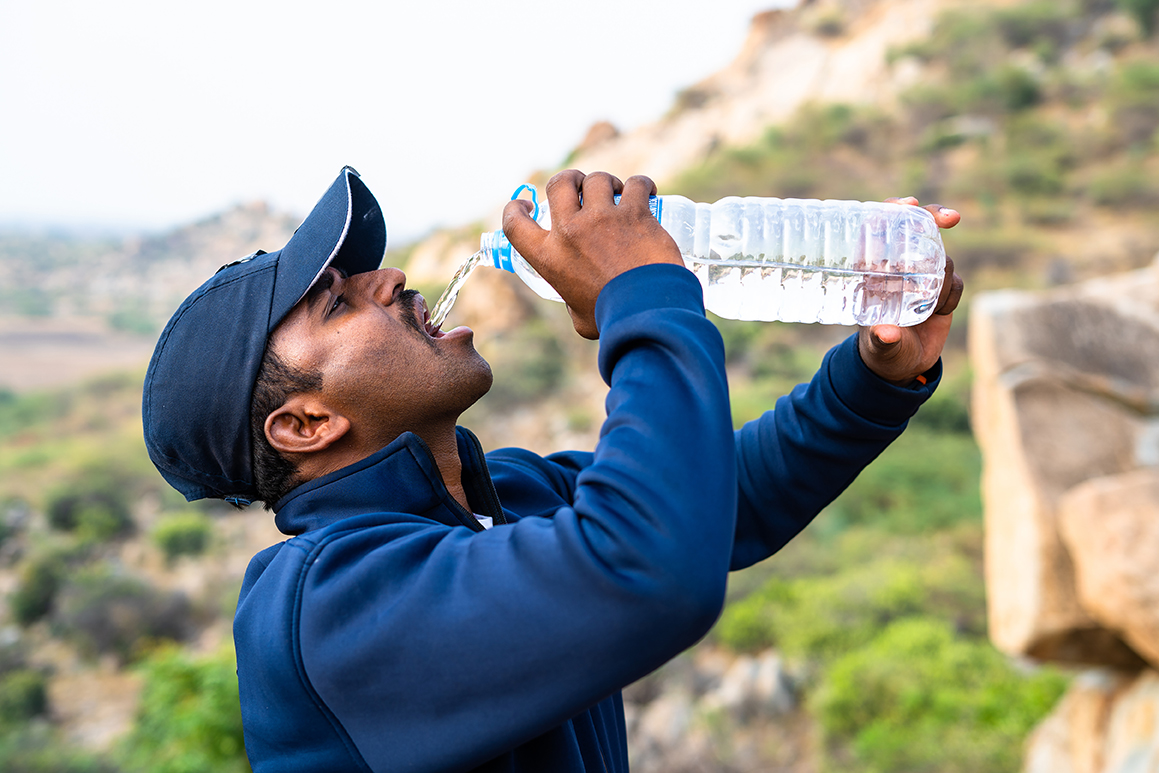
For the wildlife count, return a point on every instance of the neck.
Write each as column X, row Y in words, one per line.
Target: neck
column 442, row 442
column 445, row 448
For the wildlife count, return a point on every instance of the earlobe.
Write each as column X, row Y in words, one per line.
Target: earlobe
column 303, row 425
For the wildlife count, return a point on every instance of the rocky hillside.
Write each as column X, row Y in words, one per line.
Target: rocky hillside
column 822, row 51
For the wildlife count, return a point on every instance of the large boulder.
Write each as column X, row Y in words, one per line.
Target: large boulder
column 1108, row 722
column 1110, row 526
column 1066, row 390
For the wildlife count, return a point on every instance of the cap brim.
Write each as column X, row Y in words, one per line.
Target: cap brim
column 346, row 226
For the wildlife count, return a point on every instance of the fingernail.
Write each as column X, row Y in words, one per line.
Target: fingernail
column 947, row 211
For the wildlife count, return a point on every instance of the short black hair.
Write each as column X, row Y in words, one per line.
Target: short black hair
column 274, row 475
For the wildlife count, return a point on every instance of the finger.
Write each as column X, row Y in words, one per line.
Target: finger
column 943, row 216
column 951, row 295
column 885, row 336
column 908, row 200
column 599, row 187
column 637, row 191
column 563, row 192
column 525, row 234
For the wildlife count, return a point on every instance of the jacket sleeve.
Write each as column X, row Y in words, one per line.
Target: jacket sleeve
column 438, row 648
column 795, row 459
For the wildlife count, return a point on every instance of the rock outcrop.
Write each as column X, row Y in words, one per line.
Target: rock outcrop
column 823, row 52
column 1110, row 526
column 1066, row 392
column 1108, row 722
column 1066, row 410
column 675, row 715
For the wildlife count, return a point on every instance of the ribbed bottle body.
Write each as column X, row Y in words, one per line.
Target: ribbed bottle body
column 807, row 260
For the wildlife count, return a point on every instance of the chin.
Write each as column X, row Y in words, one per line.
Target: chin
column 487, row 378
column 474, row 382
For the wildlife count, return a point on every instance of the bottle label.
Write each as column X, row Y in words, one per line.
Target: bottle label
column 503, row 256
column 655, row 204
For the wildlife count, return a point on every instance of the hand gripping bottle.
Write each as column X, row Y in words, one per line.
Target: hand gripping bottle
column 793, row 260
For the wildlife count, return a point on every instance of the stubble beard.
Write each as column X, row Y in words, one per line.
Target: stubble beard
column 473, row 374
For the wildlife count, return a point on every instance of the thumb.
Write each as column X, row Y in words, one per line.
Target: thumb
column 884, row 336
column 525, row 234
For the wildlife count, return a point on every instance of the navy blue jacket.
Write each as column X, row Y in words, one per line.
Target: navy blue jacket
column 394, row 633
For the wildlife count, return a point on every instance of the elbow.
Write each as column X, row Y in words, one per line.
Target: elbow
column 709, row 605
column 694, row 602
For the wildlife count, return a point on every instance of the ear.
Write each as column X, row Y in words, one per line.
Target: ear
column 304, row 424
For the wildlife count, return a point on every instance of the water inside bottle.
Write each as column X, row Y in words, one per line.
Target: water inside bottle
column 748, row 288
column 447, row 299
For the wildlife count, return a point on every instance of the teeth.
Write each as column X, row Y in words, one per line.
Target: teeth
column 432, row 331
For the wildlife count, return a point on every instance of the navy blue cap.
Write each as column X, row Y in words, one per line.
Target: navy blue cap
column 196, row 402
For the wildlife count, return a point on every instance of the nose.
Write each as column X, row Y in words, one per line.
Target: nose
column 383, row 285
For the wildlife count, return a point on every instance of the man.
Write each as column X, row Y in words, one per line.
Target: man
column 438, row 609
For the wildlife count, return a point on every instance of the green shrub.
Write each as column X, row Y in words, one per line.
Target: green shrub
column 94, row 503
column 919, row 698
column 23, row 695
column 103, row 612
column 926, row 106
column 40, row 580
column 37, row 748
column 20, row 412
column 528, row 362
column 1037, row 174
column 183, row 534
column 820, row 618
column 1144, row 12
column 966, row 41
column 1005, row 89
column 26, row 301
column 189, row 717
column 928, row 479
column 1030, row 25
column 1123, row 187
column 803, row 158
column 1134, row 102
column 978, row 249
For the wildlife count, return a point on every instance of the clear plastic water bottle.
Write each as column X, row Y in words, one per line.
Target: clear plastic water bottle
column 793, row 260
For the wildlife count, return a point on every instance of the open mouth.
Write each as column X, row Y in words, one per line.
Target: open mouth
column 434, row 331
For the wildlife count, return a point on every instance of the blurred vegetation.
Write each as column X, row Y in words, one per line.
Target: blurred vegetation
column 1145, row 12
column 189, row 719
column 73, row 474
column 104, row 612
column 528, row 362
column 919, row 696
column 183, row 534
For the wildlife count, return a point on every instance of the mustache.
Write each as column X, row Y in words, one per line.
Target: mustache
column 408, row 299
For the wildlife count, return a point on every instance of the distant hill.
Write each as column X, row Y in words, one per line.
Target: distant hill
column 75, row 306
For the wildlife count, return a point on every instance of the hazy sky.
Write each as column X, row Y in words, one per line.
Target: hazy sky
column 138, row 113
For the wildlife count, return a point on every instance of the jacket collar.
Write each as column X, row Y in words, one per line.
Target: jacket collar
column 401, row 477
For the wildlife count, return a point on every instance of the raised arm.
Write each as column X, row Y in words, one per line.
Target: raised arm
column 799, row 457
